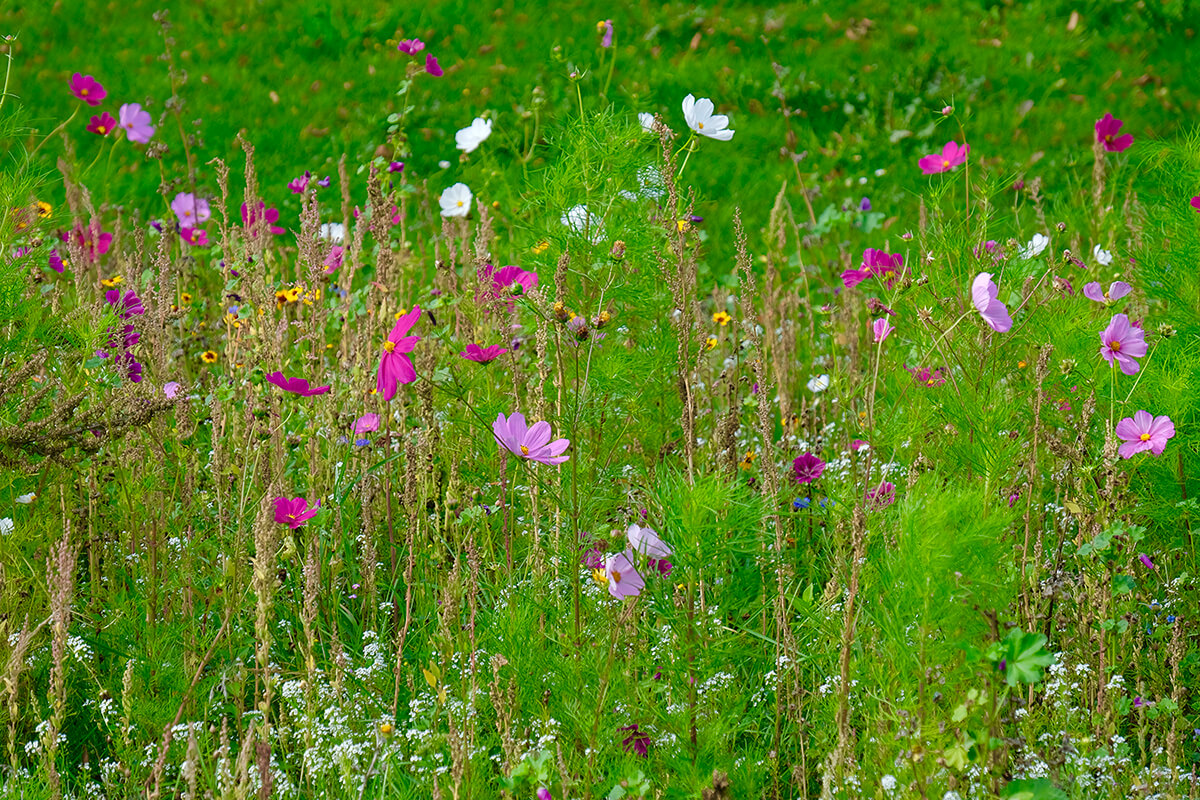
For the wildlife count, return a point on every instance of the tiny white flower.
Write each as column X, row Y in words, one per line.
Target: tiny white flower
column 470, row 138
column 647, row 121
column 333, row 231
column 456, row 201
column 584, row 222
column 444, row 164
column 1102, row 255
column 7, row 526
column 700, row 118
column 26, row 499
column 1037, row 244
column 888, row 782
column 818, row 383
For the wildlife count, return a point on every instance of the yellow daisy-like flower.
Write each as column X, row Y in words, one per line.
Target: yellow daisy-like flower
column 185, row 298
column 44, row 209
column 600, row 25
column 541, row 247
column 600, row 577
column 281, row 298
column 401, row 313
column 722, row 318
column 386, row 728
column 683, row 224
column 232, row 319
column 1020, row 365
column 109, row 283
column 710, row 342
column 208, row 357
column 748, row 459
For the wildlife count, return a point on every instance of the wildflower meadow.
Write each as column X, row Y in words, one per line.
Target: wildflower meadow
column 717, row 401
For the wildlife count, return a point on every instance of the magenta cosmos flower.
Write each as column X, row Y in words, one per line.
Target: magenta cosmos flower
column 532, row 443
column 410, row 46
column 1144, row 431
column 881, row 496
column 984, row 294
column 191, row 211
column 885, row 266
column 95, row 246
column 623, row 579
column 951, row 156
column 87, row 89
column 506, row 281
column 294, row 512
column 928, row 377
column 482, row 355
column 269, row 215
column 196, row 238
column 366, row 423
column 102, row 125
column 882, row 328
column 431, row 66
column 333, row 261
column 807, row 468
column 295, row 385
column 1123, row 342
column 136, row 122
column 1107, row 129
column 395, row 366
column 1196, row 202
column 1116, row 291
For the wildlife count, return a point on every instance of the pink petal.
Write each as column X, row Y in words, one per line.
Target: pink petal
column 537, row 436
column 1092, row 291
column 1118, row 290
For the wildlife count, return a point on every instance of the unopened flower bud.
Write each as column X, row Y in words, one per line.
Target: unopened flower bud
column 618, row 250
column 1166, row 331
column 1061, row 227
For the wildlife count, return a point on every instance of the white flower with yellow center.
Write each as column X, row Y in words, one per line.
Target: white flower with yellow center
column 456, row 201
column 700, row 118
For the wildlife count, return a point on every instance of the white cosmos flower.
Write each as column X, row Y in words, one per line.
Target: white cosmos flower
column 700, row 118
column 647, row 121
column 333, row 231
column 1037, row 244
column 456, row 201
column 469, row 138
column 26, row 499
column 584, row 222
column 7, row 526
column 818, row 383
column 1102, row 255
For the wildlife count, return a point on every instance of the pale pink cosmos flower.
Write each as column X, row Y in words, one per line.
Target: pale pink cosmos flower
column 951, row 156
column 529, row 442
column 366, row 423
column 1107, row 129
column 1116, row 291
column 882, row 328
column 1142, row 432
column 984, row 294
column 1124, row 343
column 623, row 579
column 136, row 122
column 647, row 542
column 333, row 261
column 395, row 366
column 191, row 211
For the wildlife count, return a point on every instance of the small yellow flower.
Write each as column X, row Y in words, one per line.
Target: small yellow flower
column 600, row 577
column 401, row 313
column 185, row 298
column 386, row 728
column 280, row 298
column 748, row 459
column 232, row 319
column 1020, row 365
column 683, row 224
column 722, row 318
column 208, row 357
column 109, row 283
column 496, row 204
column 541, row 247
column 44, row 209
column 710, row 342
column 600, row 25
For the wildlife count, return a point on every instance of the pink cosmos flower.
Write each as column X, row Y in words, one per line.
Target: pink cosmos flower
column 190, row 210
column 295, row 385
column 93, row 246
column 271, row 215
column 984, row 294
column 87, row 89
column 410, row 47
column 366, row 423
column 636, row 742
column 102, row 125
column 56, row 263
column 531, row 442
column 623, row 579
column 807, row 468
column 882, row 328
column 294, row 512
column 888, row 267
column 1123, row 342
column 859, row 444
column 1142, row 432
column 951, row 156
column 1196, row 202
column 431, row 66
column 606, row 40
column 544, row 794
column 1106, row 134
column 647, row 542
column 194, row 237
column 1116, row 291
column 136, row 122
column 333, row 261
column 881, row 496
column 300, row 184
column 498, row 283
column 929, row 377
column 395, row 366
column 482, row 355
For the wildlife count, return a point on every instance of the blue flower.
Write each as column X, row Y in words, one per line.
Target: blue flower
column 801, row 503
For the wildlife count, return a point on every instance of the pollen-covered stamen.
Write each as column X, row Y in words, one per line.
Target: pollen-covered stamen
column 1145, row 437
column 389, row 346
column 524, row 450
column 700, row 125
column 1115, row 345
column 616, row 576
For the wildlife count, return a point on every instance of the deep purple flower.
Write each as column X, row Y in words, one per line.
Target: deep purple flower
column 1195, row 202
column 881, row 496
column 663, row 566
column 395, row 166
column 483, row 355
column 56, row 263
column 136, row 122
column 270, row 215
column 1145, row 559
column 984, row 294
column 431, row 66
column 529, row 442
column 1144, row 431
column 951, row 156
column 127, row 307
column 296, row 385
column 865, row 204
column 1123, row 342
column 102, row 125
column 544, row 794
column 87, row 89
column 294, row 512
column 807, row 468
column 1107, row 130
column 395, row 366
column 410, row 47
column 298, row 185
column 636, row 742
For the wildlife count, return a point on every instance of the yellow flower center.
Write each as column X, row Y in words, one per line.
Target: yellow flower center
column 945, row 162
column 460, row 202
column 1108, row 138
column 524, row 450
column 700, row 125
column 389, row 346
column 83, row 92
column 616, row 576
column 1115, row 345
column 929, row 382
column 1145, row 437
column 102, row 129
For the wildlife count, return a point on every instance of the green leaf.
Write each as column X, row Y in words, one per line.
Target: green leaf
column 1026, row 657
column 1033, row 789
